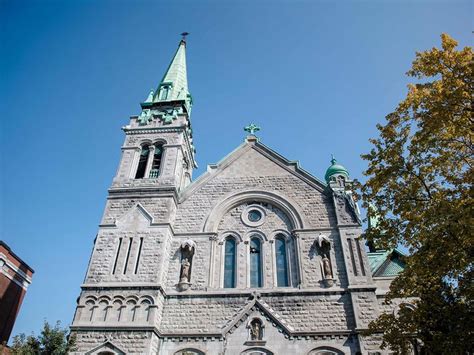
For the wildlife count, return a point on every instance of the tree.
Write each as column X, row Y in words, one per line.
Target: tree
column 52, row 341
column 419, row 183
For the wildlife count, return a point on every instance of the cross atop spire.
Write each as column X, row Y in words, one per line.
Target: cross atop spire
column 184, row 34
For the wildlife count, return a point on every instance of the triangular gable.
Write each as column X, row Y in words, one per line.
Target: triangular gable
column 263, row 307
column 106, row 347
column 137, row 216
column 291, row 167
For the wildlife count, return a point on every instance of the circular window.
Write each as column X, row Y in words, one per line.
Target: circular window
column 253, row 216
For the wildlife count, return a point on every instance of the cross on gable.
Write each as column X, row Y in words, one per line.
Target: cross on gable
column 252, row 128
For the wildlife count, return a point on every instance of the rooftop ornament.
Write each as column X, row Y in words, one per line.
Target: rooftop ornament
column 252, row 128
column 184, row 34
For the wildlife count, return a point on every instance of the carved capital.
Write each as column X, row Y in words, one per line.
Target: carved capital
column 295, row 234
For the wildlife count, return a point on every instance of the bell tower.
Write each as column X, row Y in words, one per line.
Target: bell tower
column 123, row 286
column 158, row 150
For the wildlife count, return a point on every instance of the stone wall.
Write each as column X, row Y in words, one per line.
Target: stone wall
column 314, row 313
column 196, row 315
column 130, row 342
column 161, row 209
column 110, row 263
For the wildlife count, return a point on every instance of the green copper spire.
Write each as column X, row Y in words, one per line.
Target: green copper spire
column 174, row 85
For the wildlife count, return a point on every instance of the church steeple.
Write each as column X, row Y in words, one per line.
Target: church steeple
column 174, row 85
column 159, row 149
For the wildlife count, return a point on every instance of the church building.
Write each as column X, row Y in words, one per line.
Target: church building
column 256, row 256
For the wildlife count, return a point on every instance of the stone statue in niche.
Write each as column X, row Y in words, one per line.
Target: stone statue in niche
column 187, row 250
column 185, row 268
column 324, row 250
column 256, row 331
column 327, row 267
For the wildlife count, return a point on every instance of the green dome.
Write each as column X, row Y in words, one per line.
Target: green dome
column 335, row 169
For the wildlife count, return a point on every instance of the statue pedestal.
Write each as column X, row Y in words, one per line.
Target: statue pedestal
column 328, row 282
column 183, row 286
column 255, row 343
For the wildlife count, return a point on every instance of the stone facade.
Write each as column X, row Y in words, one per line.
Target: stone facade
column 163, row 278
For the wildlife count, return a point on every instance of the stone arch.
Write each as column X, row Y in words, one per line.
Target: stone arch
column 144, row 141
column 236, row 236
column 189, row 351
column 256, row 327
column 147, row 298
column 160, row 141
column 326, row 350
column 257, row 351
column 290, row 208
column 91, row 298
column 256, row 233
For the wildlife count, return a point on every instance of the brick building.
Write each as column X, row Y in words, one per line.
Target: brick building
column 256, row 256
column 15, row 277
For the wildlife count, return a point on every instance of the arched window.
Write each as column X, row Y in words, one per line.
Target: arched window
column 229, row 263
column 142, row 162
column 155, row 166
column 281, row 261
column 255, row 262
column 164, row 91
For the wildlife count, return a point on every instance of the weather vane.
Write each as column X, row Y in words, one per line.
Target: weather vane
column 252, row 128
column 184, row 34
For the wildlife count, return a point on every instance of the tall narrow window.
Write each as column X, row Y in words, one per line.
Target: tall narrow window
column 155, row 166
column 229, row 263
column 117, row 256
column 255, row 263
column 281, row 261
column 165, row 89
column 142, row 162
column 137, row 262
column 128, row 256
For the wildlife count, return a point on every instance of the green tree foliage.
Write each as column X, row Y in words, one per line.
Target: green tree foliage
column 420, row 178
column 52, row 341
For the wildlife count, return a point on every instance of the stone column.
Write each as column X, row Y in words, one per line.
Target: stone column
column 298, row 260
column 134, row 163
column 274, row 282
column 149, row 162
column 212, row 260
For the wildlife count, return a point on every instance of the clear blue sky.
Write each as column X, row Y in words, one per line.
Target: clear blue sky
column 315, row 75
